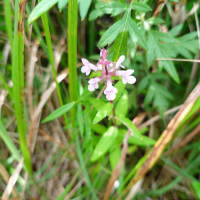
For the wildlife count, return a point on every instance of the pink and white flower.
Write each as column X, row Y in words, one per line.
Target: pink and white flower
column 110, row 91
column 87, row 67
column 119, row 62
column 108, row 70
column 93, row 84
column 126, row 76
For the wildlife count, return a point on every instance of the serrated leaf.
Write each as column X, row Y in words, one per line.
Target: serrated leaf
column 109, row 36
column 59, row 112
column 113, row 8
column 143, row 84
column 170, row 68
column 62, row 4
column 141, row 7
column 103, row 112
column 156, row 49
column 120, row 26
column 136, row 137
column 150, row 94
column 176, row 30
column 120, row 46
column 151, row 50
column 159, row 95
column 42, row 7
column 135, row 33
column 84, row 6
column 106, row 141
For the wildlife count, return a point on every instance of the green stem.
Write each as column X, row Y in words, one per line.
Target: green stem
column 72, row 54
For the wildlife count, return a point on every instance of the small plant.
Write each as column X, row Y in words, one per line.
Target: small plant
column 108, row 71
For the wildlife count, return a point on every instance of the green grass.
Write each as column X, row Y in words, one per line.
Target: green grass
column 18, row 82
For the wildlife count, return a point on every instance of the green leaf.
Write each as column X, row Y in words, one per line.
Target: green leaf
column 109, row 35
column 104, row 143
column 156, row 48
column 103, row 112
column 113, row 8
column 122, row 105
column 118, row 27
column 99, row 128
column 159, row 95
column 8, row 141
column 59, row 112
column 42, row 7
column 62, row 4
column 136, row 137
column 84, row 6
column 120, row 46
column 150, row 94
column 144, row 83
column 196, row 186
column 120, row 89
column 115, row 157
column 176, row 30
column 141, row 7
column 135, row 33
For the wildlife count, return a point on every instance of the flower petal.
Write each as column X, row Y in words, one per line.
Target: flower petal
column 85, row 62
column 120, row 61
column 93, row 67
column 131, row 79
column 111, row 96
column 129, row 71
column 85, row 70
column 91, row 88
column 88, row 64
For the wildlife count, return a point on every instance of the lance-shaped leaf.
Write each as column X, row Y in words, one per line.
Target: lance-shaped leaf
column 120, row 26
column 103, row 112
column 84, row 6
column 42, row 7
column 104, row 144
column 59, row 112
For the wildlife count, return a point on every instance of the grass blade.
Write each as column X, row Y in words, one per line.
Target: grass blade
column 18, row 80
column 72, row 53
column 8, row 141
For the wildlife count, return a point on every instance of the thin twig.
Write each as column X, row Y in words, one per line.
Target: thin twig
column 197, row 25
column 178, row 60
column 157, row 117
column 13, row 179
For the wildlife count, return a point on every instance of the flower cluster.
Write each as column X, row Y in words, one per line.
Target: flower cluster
column 108, row 70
